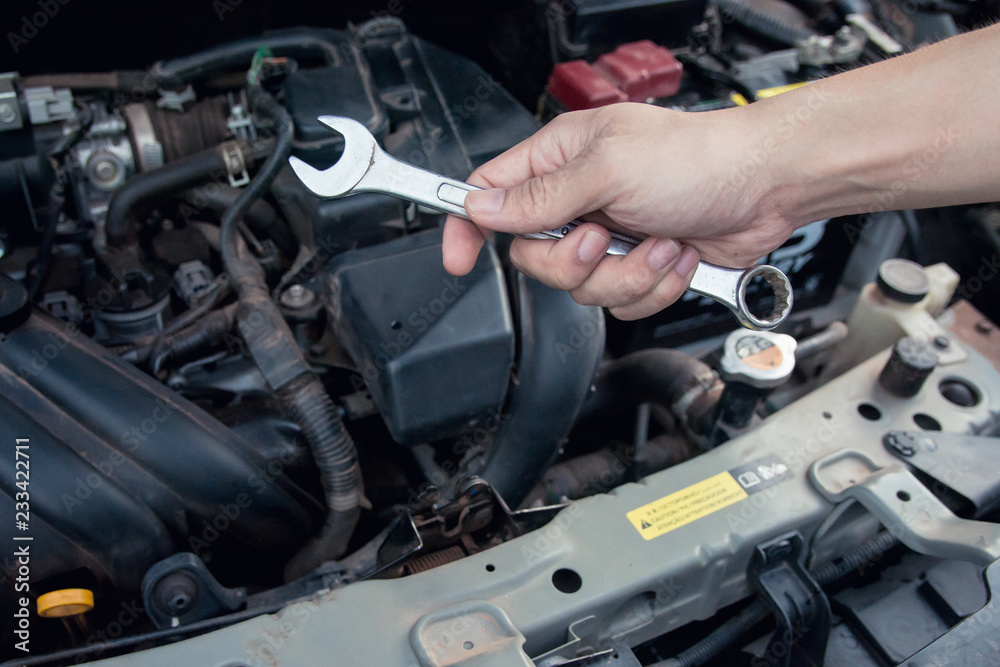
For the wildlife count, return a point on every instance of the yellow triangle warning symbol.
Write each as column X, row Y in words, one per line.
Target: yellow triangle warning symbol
column 646, row 524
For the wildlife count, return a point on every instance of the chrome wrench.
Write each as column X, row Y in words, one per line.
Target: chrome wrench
column 365, row 167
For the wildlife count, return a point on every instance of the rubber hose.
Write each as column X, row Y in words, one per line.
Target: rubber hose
column 39, row 271
column 304, row 396
column 249, row 275
column 605, row 469
column 127, row 81
column 670, row 378
column 336, row 457
column 143, row 192
column 194, row 339
column 234, row 55
column 765, row 17
column 261, row 217
column 551, row 386
column 729, row 632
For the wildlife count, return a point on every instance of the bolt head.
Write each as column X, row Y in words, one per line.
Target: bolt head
column 297, row 296
column 105, row 171
column 900, row 443
column 7, row 113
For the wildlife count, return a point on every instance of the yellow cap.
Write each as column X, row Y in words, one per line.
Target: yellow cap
column 67, row 602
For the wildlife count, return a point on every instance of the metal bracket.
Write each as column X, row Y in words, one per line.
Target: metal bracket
column 966, row 464
column 466, row 634
column 777, row 570
column 10, row 108
column 401, row 541
column 906, row 507
column 575, row 635
column 620, row 655
column 424, row 518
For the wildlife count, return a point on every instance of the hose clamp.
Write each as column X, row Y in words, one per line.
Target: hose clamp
column 236, row 166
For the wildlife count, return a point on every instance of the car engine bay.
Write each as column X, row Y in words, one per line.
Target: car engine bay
column 244, row 425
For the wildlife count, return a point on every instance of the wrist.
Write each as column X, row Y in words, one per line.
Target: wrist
column 760, row 177
column 808, row 165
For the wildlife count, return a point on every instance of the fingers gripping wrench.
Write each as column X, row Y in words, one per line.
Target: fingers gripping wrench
column 365, row 167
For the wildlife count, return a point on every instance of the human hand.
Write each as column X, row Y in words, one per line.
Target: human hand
column 637, row 168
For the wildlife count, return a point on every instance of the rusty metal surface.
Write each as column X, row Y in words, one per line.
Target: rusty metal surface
column 975, row 330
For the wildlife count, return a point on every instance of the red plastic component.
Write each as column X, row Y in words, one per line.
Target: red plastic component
column 642, row 70
column 578, row 86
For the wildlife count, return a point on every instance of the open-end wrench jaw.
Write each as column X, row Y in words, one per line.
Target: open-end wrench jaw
column 341, row 178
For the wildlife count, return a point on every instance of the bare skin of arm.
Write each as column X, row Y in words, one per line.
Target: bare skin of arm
column 729, row 186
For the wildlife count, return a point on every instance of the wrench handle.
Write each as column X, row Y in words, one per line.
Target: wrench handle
column 400, row 179
column 394, row 177
column 728, row 286
column 621, row 244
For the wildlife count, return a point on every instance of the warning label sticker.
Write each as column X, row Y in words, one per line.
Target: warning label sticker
column 761, row 474
column 687, row 505
column 707, row 496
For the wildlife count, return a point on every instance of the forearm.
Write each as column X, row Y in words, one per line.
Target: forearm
column 917, row 131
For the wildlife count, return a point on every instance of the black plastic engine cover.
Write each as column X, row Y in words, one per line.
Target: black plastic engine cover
column 124, row 472
column 435, row 350
column 341, row 88
column 423, row 104
column 593, row 27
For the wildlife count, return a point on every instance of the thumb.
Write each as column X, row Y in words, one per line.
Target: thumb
column 544, row 201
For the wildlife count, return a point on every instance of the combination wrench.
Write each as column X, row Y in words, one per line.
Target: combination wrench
column 365, row 167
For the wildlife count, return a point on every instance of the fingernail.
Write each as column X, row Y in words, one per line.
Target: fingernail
column 591, row 247
column 662, row 253
column 485, row 201
column 687, row 262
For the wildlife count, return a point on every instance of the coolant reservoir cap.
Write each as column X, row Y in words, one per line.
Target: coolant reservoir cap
column 911, row 362
column 903, row 281
column 65, row 602
column 761, row 359
column 14, row 306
